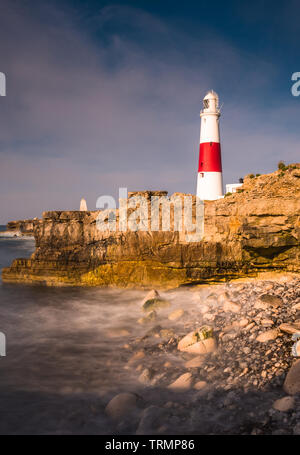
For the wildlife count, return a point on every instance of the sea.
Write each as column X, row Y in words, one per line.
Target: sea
column 66, row 351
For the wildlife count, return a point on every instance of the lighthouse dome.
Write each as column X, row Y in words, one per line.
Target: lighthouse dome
column 211, row 101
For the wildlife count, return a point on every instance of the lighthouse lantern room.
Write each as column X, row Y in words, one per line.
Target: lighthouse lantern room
column 209, row 184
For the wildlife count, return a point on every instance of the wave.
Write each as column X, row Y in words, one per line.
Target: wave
column 14, row 234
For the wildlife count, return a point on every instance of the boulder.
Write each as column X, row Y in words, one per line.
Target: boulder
column 202, row 347
column 153, row 294
column 200, row 341
column 184, row 382
column 292, row 381
column 122, row 404
column 154, row 304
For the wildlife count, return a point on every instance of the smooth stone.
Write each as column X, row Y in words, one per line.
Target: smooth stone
column 153, row 304
column 267, row 322
column 269, row 335
column 177, row 314
column 284, row 404
column 191, row 338
column 200, row 385
column 290, row 328
column 292, row 381
column 184, row 382
column 200, row 347
column 122, row 404
column 153, row 294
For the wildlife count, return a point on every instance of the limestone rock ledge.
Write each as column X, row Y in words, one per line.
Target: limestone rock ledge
column 254, row 230
column 21, row 227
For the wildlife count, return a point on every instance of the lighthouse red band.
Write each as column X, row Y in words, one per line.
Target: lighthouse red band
column 210, row 157
column 210, row 184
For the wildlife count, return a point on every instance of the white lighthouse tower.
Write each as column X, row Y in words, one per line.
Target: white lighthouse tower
column 209, row 184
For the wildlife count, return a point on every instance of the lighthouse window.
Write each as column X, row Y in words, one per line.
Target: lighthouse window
column 205, row 104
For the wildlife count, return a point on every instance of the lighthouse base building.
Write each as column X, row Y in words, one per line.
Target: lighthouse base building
column 210, row 182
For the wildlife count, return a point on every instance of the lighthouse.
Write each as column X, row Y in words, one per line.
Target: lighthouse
column 209, row 184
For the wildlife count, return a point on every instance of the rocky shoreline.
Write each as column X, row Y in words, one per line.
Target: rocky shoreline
column 248, row 381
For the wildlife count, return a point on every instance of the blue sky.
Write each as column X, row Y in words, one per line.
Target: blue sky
column 104, row 94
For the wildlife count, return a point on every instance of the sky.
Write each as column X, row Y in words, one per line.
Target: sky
column 106, row 94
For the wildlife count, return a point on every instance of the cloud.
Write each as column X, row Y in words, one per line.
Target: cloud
column 115, row 102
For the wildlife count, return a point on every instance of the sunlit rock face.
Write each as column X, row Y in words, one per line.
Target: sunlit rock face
column 254, row 230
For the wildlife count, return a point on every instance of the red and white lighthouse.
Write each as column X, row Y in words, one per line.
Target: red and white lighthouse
column 210, row 184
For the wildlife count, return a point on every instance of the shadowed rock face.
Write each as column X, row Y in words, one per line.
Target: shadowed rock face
column 256, row 229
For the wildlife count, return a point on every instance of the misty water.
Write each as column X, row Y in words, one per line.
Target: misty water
column 69, row 352
column 65, row 351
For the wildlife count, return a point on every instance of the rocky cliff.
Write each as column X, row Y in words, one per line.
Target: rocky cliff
column 256, row 229
column 21, row 227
